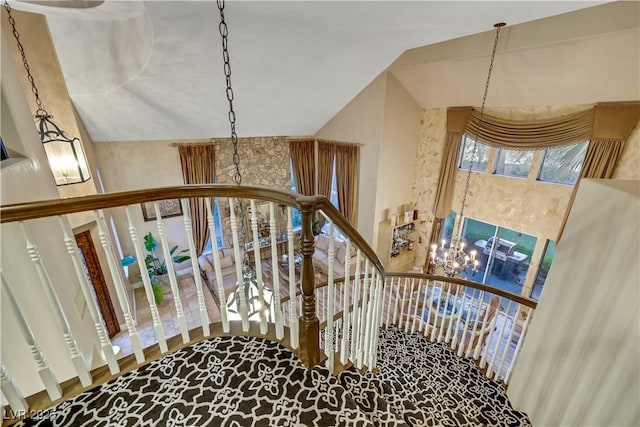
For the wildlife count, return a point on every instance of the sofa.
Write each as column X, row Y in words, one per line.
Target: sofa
column 321, row 256
column 227, row 267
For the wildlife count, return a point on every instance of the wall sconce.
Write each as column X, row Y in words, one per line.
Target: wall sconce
column 66, row 155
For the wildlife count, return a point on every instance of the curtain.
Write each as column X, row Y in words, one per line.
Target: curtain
column 347, row 172
column 457, row 119
column 303, row 162
column 326, row 156
column 612, row 125
column 198, row 167
column 529, row 135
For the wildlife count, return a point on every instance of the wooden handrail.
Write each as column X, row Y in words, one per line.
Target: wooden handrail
column 506, row 294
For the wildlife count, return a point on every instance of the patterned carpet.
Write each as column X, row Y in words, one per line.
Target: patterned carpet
column 241, row 381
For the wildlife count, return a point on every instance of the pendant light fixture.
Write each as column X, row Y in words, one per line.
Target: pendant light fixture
column 453, row 259
column 65, row 154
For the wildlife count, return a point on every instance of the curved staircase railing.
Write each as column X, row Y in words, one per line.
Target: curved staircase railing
column 323, row 296
column 282, row 259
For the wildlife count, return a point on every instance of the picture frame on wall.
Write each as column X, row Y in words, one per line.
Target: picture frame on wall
column 168, row 209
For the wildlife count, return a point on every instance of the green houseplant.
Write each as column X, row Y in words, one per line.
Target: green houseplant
column 157, row 268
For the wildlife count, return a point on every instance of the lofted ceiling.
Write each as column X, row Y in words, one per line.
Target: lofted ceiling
column 153, row 70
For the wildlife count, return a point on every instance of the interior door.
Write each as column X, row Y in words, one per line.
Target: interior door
column 91, row 263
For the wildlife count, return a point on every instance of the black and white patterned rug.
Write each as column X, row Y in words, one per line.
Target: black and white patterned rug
column 242, row 381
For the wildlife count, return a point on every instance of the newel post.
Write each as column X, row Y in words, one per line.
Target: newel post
column 309, row 325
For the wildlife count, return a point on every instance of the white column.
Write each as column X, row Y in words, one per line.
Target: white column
column 114, row 268
column 12, row 393
column 293, row 314
column 242, row 302
column 61, row 318
column 92, row 305
column 48, row 378
column 215, row 254
column 258, row 268
column 277, row 309
column 344, row 349
column 171, row 272
column 197, row 279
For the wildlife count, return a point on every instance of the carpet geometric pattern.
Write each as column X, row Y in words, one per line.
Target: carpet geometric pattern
column 244, row 381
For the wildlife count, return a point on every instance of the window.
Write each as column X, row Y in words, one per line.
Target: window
column 543, row 269
column 334, row 187
column 3, row 150
column 514, row 163
column 504, row 254
column 296, row 217
column 562, row 165
column 480, row 159
column 218, row 224
column 447, row 227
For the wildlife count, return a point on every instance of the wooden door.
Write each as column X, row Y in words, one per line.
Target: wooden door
column 96, row 279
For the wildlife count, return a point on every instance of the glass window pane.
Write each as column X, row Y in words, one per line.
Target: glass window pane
column 511, row 261
column 218, row 224
column 514, row 163
column 563, row 165
column 334, row 187
column 543, row 269
column 447, row 227
column 480, row 159
column 476, row 234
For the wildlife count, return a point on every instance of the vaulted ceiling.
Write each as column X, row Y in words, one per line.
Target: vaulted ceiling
column 153, row 70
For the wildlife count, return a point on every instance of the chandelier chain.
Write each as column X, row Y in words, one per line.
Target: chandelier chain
column 475, row 141
column 224, row 33
column 40, row 108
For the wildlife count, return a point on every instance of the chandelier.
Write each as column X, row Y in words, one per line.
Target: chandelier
column 64, row 153
column 453, row 259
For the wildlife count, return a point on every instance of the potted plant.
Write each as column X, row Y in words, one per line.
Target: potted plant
column 157, row 268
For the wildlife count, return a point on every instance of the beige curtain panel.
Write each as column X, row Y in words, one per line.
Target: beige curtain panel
column 303, row 162
column 198, row 167
column 347, row 172
column 326, row 157
column 612, row 125
column 529, row 135
column 457, row 119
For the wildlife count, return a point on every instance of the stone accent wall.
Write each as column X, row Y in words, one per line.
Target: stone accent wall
column 264, row 161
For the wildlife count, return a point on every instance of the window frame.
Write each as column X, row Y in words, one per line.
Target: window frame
column 505, row 150
column 544, row 156
column 463, row 142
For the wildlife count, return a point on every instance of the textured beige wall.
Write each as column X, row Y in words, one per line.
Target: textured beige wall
column 527, row 205
column 361, row 121
column 398, row 148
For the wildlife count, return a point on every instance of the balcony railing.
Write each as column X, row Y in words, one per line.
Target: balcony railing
column 325, row 297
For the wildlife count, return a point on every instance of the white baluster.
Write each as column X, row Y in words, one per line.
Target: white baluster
column 48, row 378
column 516, row 352
column 389, row 297
column 355, row 319
column 436, row 314
column 372, row 319
column 363, row 316
column 378, row 318
column 417, row 303
column 495, row 351
column 293, row 299
column 12, row 393
column 258, row 265
column 411, row 302
column 397, row 304
column 61, row 318
column 476, row 324
column 511, row 331
column 146, row 282
column 92, row 305
column 483, row 327
column 465, row 329
column 423, row 323
column 114, row 268
column 344, row 349
column 277, row 309
column 447, row 338
column 441, row 329
column 171, row 272
column 195, row 267
column 328, row 350
column 402, row 321
column 242, row 301
column 215, row 254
